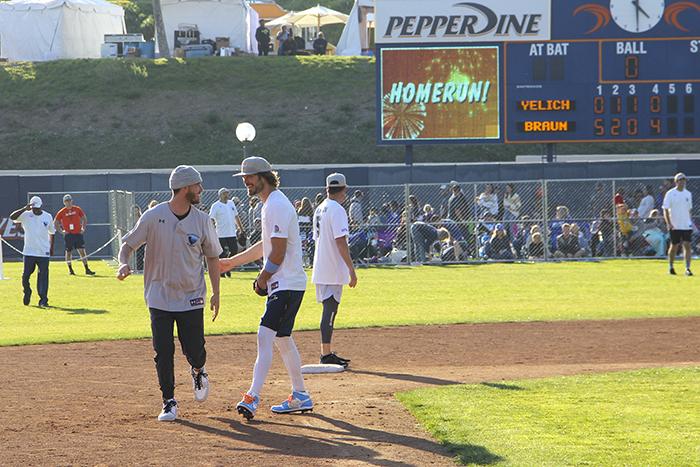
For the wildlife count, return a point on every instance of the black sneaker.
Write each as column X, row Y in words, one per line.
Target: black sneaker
column 27, row 297
column 333, row 359
column 88, row 272
column 672, row 271
column 71, row 272
column 688, row 272
column 43, row 303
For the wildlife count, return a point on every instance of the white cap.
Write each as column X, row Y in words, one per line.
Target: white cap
column 66, row 197
column 335, row 179
column 679, row 176
column 35, row 202
column 222, row 191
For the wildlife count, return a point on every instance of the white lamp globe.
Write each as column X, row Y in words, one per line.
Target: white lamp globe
column 245, row 132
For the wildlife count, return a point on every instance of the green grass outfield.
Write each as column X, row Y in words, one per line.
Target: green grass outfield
column 647, row 417
column 99, row 308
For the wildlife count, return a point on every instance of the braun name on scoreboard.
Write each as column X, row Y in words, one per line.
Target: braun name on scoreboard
column 440, row 66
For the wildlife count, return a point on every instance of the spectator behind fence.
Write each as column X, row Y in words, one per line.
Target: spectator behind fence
column 262, row 36
column 457, row 208
column 561, row 217
column 424, row 236
column 619, row 197
column 567, row 244
column 584, row 237
column 663, row 189
column 487, row 201
column 153, row 203
column 625, row 229
column 499, row 247
column 140, row 252
column 602, row 235
column 320, row 44
column 415, row 212
column 511, row 204
column 535, row 249
column 318, row 200
column 653, row 233
column 429, row 214
column 254, row 210
column 647, row 203
column 355, row 212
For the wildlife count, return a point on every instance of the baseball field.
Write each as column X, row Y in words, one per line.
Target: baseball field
column 512, row 364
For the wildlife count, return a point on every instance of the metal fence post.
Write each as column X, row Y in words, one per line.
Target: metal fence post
column 407, row 215
column 614, row 218
column 475, row 231
column 545, row 217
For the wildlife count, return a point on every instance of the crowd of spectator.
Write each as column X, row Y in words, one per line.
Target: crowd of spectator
column 499, row 223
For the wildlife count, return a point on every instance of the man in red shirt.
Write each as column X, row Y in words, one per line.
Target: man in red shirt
column 71, row 222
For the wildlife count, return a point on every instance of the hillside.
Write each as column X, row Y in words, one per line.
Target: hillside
column 159, row 113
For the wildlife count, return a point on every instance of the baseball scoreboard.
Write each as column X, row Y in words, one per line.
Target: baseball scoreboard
column 537, row 71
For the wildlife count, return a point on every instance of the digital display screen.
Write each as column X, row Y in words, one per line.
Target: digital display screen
column 439, row 93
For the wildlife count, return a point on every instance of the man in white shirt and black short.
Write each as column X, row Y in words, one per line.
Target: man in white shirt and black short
column 228, row 225
column 333, row 266
column 677, row 206
column 39, row 232
column 282, row 279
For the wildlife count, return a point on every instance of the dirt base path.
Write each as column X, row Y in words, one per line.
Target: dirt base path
column 96, row 403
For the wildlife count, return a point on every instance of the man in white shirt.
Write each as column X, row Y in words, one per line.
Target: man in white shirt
column 677, row 206
column 226, row 219
column 38, row 247
column 356, row 215
column 178, row 238
column 333, row 266
column 646, row 204
column 282, row 279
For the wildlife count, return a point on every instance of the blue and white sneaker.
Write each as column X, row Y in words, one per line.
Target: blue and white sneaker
column 248, row 406
column 296, row 402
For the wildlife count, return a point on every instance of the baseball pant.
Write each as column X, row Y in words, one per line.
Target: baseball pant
column 190, row 331
column 42, row 279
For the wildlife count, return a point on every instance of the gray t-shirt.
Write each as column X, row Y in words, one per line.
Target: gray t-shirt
column 173, row 273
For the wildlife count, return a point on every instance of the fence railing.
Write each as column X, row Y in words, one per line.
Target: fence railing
column 456, row 222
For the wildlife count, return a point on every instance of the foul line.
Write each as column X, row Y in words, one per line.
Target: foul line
column 79, row 258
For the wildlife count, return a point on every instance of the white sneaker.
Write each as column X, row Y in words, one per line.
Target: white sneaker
column 169, row 412
column 200, row 384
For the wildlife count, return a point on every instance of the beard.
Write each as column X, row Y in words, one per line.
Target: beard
column 193, row 198
column 256, row 188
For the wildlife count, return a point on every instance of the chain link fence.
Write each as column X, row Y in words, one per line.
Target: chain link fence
column 478, row 222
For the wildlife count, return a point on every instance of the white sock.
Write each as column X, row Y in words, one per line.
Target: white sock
column 266, row 338
column 292, row 360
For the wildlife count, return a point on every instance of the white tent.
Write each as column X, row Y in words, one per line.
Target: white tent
column 214, row 18
column 356, row 34
column 37, row 30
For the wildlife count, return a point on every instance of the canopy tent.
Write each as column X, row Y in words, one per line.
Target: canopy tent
column 39, row 30
column 356, row 35
column 234, row 19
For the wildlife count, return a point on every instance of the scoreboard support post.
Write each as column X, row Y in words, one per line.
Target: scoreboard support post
column 551, row 156
column 408, row 155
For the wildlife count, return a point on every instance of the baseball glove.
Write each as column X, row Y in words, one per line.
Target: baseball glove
column 261, row 292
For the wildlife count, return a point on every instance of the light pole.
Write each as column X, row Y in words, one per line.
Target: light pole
column 245, row 132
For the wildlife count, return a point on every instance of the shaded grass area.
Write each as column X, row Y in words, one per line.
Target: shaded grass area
column 647, row 417
column 99, row 308
column 159, row 113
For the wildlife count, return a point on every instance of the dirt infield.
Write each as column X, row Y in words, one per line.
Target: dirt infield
column 96, row 403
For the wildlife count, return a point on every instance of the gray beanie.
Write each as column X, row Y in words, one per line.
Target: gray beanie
column 184, row 175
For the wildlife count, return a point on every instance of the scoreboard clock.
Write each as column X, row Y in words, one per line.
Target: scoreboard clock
column 611, row 70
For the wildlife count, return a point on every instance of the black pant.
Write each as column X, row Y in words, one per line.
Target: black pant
column 190, row 331
column 230, row 246
column 263, row 49
column 42, row 280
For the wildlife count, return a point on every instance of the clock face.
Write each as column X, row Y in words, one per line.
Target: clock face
column 637, row 15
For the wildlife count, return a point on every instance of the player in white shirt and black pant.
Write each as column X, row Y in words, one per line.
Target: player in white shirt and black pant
column 333, row 266
column 226, row 219
column 39, row 233
column 282, row 279
column 677, row 206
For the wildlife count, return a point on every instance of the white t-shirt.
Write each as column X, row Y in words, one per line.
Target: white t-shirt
column 645, row 206
column 36, row 233
column 330, row 223
column 279, row 220
column 679, row 203
column 225, row 216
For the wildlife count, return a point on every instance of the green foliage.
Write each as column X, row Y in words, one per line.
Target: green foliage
column 645, row 417
column 138, row 16
column 307, row 110
column 98, row 308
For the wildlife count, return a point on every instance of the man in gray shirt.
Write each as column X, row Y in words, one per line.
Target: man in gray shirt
column 178, row 238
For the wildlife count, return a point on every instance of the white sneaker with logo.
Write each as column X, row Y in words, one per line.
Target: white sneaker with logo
column 200, row 384
column 169, row 412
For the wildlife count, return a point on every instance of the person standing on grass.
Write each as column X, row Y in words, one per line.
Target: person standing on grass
column 333, row 266
column 282, row 279
column 38, row 247
column 178, row 238
column 71, row 222
column 228, row 225
column 677, row 206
